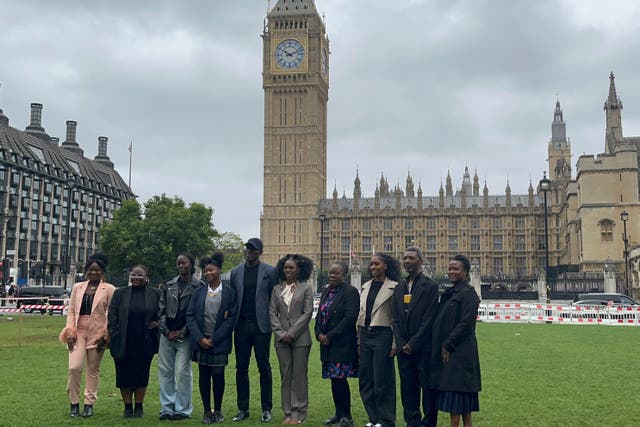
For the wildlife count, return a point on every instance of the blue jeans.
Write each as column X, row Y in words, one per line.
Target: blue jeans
column 175, row 377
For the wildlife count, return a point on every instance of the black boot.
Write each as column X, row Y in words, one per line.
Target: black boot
column 87, row 411
column 138, row 412
column 128, row 410
column 75, row 410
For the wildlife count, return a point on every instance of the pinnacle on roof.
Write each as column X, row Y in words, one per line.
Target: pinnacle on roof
column 557, row 113
column 613, row 100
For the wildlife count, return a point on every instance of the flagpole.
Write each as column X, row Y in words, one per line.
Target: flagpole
column 130, row 159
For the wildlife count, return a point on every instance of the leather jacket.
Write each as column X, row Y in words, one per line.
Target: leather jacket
column 172, row 308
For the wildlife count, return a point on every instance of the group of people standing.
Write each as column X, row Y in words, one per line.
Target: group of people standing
column 189, row 319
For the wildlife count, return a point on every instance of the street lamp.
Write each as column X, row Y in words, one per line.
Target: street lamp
column 624, row 216
column 322, row 217
column 545, row 186
column 66, row 263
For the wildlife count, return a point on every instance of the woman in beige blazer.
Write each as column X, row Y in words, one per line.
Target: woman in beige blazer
column 290, row 311
column 85, row 333
column 376, row 372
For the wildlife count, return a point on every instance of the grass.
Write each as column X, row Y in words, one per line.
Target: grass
column 533, row 375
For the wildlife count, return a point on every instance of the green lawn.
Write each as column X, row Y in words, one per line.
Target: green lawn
column 533, row 375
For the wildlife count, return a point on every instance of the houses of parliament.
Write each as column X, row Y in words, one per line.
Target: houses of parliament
column 503, row 231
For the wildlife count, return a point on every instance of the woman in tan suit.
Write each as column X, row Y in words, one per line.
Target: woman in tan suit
column 85, row 333
column 290, row 312
column 376, row 372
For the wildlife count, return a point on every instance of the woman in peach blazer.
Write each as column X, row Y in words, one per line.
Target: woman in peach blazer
column 85, row 333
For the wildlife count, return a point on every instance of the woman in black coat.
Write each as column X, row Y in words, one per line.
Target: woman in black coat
column 134, row 334
column 335, row 329
column 210, row 318
column 455, row 370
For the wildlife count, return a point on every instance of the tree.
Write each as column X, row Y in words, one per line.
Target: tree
column 232, row 245
column 154, row 235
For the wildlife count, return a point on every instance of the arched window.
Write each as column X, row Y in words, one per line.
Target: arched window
column 606, row 230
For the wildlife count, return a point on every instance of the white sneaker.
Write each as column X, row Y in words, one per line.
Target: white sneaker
column 377, row 425
column 368, row 425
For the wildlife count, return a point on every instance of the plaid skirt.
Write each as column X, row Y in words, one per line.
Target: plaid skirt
column 209, row 359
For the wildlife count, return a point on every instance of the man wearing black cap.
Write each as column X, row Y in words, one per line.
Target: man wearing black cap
column 253, row 281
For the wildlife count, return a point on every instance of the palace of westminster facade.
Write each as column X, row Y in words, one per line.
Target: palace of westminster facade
column 504, row 233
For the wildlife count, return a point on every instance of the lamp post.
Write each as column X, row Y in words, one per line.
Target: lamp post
column 66, row 263
column 624, row 216
column 322, row 217
column 545, row 186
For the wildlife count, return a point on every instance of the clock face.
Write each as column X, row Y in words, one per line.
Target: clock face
column 323, row 61
column 289, row 53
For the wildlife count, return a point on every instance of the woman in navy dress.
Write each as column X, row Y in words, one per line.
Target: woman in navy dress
column 335, row 329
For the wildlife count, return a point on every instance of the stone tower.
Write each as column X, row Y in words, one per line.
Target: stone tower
column 296, row 87
column 559, row 149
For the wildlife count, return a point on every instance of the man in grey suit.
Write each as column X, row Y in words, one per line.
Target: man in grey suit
column 253, row 282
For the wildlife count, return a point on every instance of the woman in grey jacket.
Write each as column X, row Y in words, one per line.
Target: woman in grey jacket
column 290, row 312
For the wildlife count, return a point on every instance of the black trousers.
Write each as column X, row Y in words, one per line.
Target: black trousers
column 205, row 377
column 247, row 335
column 377, row 376
column 414, row 380
column 341, row 397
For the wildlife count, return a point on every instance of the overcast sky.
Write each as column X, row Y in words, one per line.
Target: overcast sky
column 419, row 86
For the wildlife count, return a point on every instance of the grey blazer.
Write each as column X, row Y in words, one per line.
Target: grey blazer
column 382, row 312
column 294, row 319
column 266, row 281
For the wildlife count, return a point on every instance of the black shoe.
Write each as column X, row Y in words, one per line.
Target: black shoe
column 87, row 411
column 138, row 412
column 207, row 418
column 332, row 420
column 218, row 417
column 166, row 416
column 128, row 412
column 241, row 415
column 266, row 416
column 345, row 422
column 75, row 410
column 178, row 417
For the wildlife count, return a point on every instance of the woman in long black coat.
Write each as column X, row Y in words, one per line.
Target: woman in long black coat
column 455, row 370
column 335, row 329
column 134, row 334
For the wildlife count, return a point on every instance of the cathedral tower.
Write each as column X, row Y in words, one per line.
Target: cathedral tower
column 296, row 87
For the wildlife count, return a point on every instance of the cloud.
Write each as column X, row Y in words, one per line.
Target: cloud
column 419, row 86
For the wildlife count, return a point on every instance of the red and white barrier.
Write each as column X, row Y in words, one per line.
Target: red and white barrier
column 34, row 307
column 559, row 313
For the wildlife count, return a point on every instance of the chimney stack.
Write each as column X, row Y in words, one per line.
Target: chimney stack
column 70, row 142
column 102, row 156
column 55, row 140
column 35, row 123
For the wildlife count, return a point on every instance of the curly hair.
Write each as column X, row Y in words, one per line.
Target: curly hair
column 99, row 259
column 305, row 266
column 216, row 259
column 393, row 271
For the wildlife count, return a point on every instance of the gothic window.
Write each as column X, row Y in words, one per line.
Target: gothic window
column 325, row 244
column 388, row 224
column 408, row 223
column 521, row 265
column 606, row 230
column 366, row 224
column 497, row 242
column 409, row 241
column 388, row 243
column 431, row 223
column 497, row 266
column 431, row 243
column 453, row 242
column 345, row 244
column 520, row 242
column 346, row 224
column 520, row 222
column 366, row 244
column 541, row 242
column 453, row 223
column 497, row 222
column 475, row 242
column 475, row 222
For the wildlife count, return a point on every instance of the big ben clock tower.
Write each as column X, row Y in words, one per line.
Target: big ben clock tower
column 295, row 79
